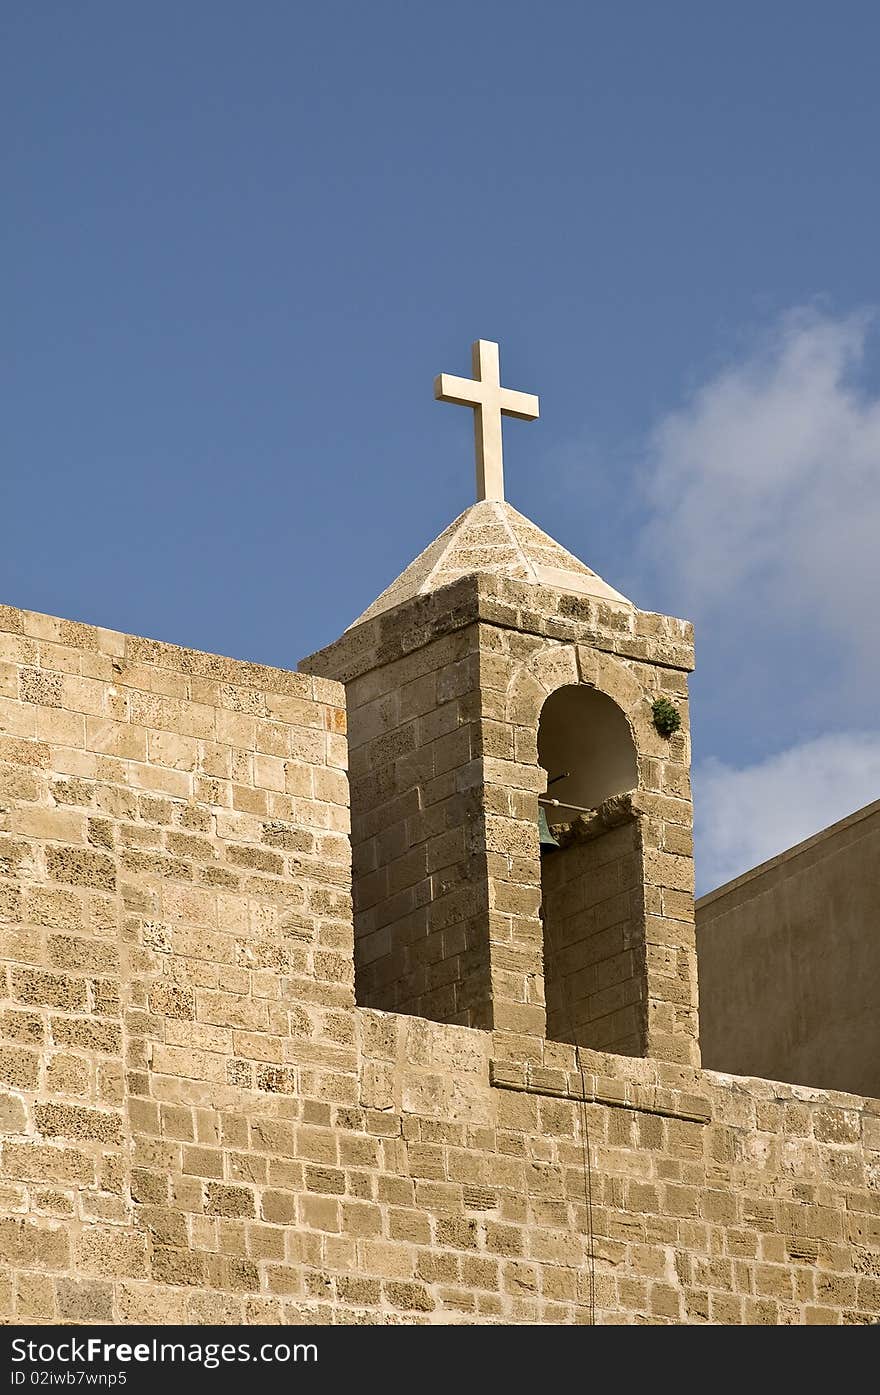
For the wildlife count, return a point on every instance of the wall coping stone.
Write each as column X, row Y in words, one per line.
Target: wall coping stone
column 529, row 609
column 598, row 1089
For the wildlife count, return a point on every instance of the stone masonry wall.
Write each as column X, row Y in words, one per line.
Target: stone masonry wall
column 534, row 641
column 198, row 1124
column 488, row 652
column 176, row 921
column 420, row 889
column 594, row 947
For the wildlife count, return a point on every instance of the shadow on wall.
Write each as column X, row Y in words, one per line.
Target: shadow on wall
column 591, row 875
column 585, row 738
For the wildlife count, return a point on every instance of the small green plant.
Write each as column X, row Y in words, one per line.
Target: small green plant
column 667, row 718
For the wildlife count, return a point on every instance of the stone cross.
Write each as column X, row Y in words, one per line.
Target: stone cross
column 490, row 401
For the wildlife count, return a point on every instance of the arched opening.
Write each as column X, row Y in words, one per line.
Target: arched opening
column 592, row 903
column 586, row 747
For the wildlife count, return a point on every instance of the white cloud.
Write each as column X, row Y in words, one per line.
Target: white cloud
column 764, row 497
column 748, row 815
column 765, row 490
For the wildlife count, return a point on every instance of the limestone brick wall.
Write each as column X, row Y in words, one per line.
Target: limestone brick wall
column 594, row 947
column 198, row 1125
column 532, row 643
column 175, row 899
column 420, row 887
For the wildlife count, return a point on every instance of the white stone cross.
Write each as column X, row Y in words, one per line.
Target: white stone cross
column 490, row 401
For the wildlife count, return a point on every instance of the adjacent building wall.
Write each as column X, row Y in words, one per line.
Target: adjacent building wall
column 789, row 963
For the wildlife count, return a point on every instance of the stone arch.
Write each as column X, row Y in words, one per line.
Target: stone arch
column 560, row 665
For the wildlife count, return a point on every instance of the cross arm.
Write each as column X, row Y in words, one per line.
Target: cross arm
column 448, row 388
column 519, row 404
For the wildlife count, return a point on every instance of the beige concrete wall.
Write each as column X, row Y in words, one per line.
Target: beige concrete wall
column 789, row 963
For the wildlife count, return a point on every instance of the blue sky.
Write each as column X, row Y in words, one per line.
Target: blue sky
column 239, row 241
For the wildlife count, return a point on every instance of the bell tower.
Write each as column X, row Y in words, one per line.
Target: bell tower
column 496, row 680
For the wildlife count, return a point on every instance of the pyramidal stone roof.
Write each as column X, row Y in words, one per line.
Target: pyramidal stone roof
column 491, row 536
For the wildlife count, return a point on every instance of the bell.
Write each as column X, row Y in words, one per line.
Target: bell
column 545, row 837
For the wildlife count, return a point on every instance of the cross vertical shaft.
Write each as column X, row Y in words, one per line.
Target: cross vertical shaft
column 490, row 402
